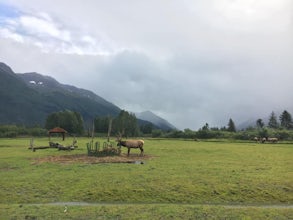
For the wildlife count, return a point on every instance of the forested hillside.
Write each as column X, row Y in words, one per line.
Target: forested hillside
column 28, row 99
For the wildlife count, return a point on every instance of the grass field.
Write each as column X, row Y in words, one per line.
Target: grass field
column 181, row 179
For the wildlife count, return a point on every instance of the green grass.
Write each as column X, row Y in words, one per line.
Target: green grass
column 141, row 211
column 184, row 178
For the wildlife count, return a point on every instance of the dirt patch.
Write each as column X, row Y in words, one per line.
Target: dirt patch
column 81, row 158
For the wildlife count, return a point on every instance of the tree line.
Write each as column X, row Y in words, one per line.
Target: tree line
column 71, row 121
column 126, row 123
column 284, row 122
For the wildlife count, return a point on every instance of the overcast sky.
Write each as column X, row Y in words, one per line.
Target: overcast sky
column 188, row 61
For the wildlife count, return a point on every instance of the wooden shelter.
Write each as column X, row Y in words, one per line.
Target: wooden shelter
column 57, row 130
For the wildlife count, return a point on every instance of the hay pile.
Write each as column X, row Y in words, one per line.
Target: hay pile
column 82, row 158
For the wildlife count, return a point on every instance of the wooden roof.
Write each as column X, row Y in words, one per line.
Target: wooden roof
column 57, row 130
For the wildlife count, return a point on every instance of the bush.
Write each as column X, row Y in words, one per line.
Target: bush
column 209, row 134
column 12, row 131
column 174, row 134
column 246, row 135
column 156, row 133
column 283, row 135
column 37, row 131
column 10, row 134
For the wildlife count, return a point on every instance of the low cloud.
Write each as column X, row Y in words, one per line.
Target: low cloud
column 189, row 62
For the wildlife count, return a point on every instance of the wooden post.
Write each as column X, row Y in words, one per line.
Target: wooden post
column 109, row 129
column 32, row 143
column 93, row 131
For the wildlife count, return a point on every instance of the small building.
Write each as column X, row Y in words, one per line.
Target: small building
column 57, row 130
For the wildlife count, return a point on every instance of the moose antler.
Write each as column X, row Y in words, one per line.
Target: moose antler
column 119, row 136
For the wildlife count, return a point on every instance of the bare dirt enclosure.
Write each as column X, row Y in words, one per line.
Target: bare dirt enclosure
column 82, row 158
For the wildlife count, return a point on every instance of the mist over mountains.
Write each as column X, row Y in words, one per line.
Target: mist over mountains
column 156, row 120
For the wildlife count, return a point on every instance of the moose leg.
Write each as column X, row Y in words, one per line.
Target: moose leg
column 141, row 151
column 128, row 151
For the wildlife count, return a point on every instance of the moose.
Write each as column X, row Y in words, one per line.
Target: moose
column 130, row 144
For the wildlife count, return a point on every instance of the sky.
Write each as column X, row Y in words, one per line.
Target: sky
column 190, row 62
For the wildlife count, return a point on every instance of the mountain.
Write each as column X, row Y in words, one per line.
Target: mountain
column 70, row 97
column 28, row 99
column 252, row 121
column 246, row 124
column 17, row 100
column 156, row 120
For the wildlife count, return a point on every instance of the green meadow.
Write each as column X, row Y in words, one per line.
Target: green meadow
column 183, row 179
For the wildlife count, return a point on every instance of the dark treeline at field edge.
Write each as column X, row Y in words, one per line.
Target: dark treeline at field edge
column 126, row 123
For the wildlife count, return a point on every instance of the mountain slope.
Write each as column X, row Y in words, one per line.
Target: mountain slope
column 156, row 120
column 17, row 99
column 70, row 97
column 29, row 98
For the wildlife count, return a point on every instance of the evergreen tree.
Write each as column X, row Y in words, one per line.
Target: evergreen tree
column 126, row 124
column 70, row 121
column 146, row 128
column 101, row 124
column 203, row 132
column 286, row 120
column 231, row 126
column 52, row 121
column 206, row 127
column 259, row 123
column 78, row 127
column 273, row 123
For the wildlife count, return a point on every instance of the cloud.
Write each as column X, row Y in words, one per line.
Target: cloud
column 190, row 62
column 45, row 32
column 6, row 33
column 42, row 26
